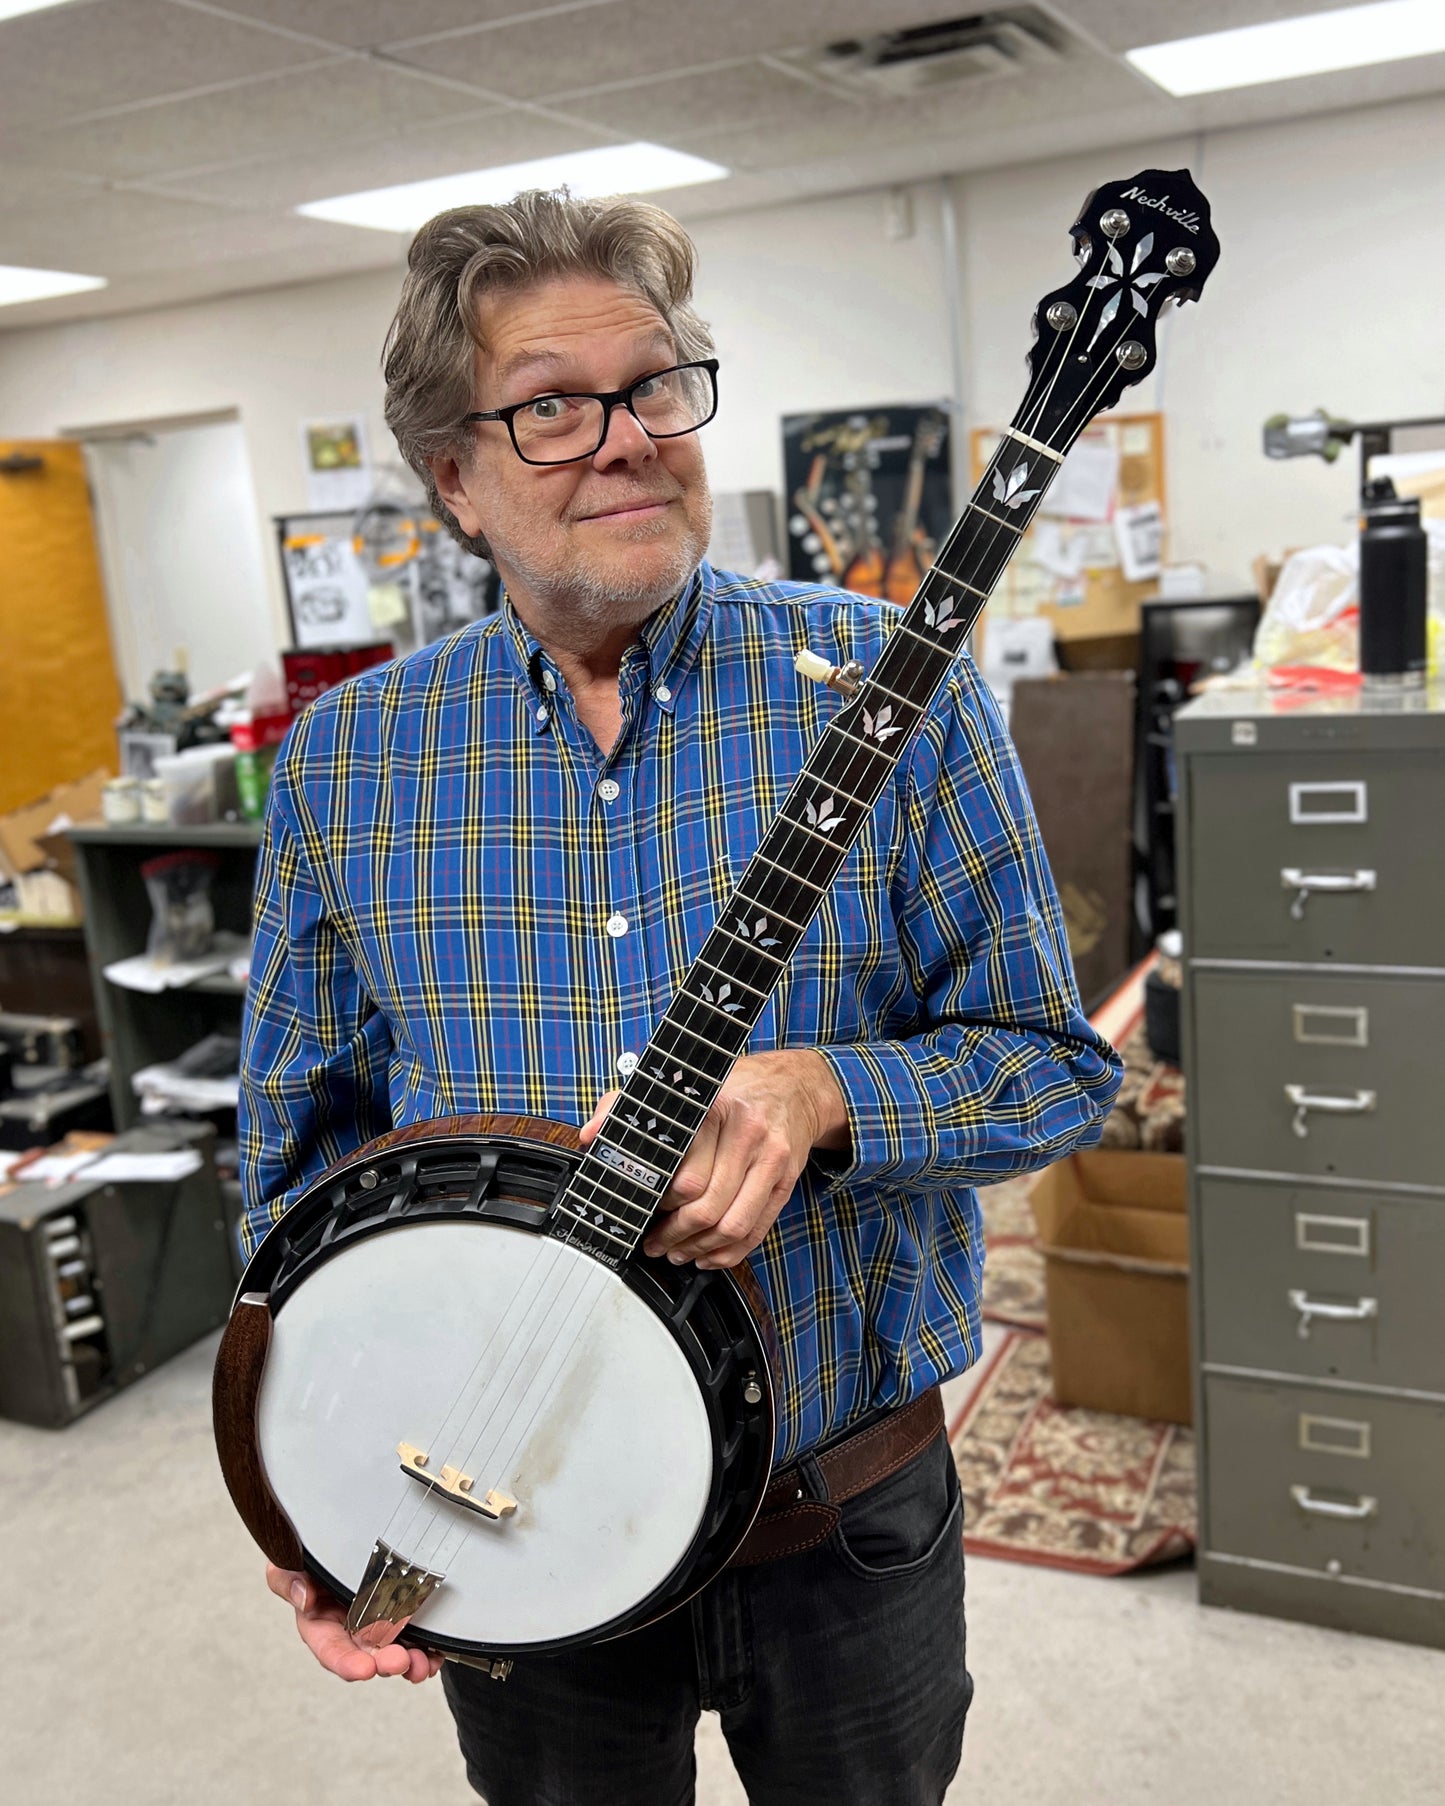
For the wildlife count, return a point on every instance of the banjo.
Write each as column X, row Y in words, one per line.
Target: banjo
column 452, row 1388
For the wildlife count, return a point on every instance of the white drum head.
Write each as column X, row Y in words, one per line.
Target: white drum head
column 528, row 1366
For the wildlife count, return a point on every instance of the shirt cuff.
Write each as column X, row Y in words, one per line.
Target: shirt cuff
column 889, row 1114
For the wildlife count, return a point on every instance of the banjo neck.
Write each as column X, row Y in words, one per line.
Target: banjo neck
column 1095, row 339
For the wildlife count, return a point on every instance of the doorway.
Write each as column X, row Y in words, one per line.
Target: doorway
column 182, row 548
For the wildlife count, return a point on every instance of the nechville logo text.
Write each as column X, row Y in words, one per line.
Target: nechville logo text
column 1184, row 215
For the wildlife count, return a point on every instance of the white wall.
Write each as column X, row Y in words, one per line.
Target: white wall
column 184, row 556
column 1327, row 293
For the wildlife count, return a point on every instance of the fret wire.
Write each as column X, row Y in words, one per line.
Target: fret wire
column 842, row 790
column 693, row 998
column 728, row 1053
column 788, row 872
column 873, row 683
column 768, row 910
column 696, row 1071
column 595, row 1228
column 731, row 977
column 879, row 752
column 653, row 1109
column 998, row 519
column 631, row 1128
column 761, row 952
column 803, row 828
column 923, row 640
column 937, row 570
column 582, row 1176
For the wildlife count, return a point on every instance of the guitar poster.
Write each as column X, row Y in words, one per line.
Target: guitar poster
column 868, row 496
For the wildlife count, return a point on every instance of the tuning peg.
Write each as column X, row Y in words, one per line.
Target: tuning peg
column 845, row 679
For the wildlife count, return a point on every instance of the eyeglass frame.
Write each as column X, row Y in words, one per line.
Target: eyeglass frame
column 610, row 399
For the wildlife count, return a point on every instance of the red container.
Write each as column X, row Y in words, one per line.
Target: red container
column 308, row 673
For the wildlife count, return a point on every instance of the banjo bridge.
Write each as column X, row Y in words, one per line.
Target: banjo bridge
column 453, row 1484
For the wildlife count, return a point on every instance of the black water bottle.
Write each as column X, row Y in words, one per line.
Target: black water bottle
column 1392, row 588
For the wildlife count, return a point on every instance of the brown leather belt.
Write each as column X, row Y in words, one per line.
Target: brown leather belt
column 790, row 1521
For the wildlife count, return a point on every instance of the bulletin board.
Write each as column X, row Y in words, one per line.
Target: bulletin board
column 1105, row 515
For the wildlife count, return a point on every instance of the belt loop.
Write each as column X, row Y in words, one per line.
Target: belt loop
column 813, row 1481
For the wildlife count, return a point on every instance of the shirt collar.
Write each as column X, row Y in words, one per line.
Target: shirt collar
column 671, row 639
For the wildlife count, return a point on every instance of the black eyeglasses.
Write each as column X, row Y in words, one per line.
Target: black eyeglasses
column 560, row 429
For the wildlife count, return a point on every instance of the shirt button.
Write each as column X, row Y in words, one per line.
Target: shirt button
column 549, row 683
column 617, row 926
column 662, row 693
column 627, row 1064
column 609, row 790
column 543, row 717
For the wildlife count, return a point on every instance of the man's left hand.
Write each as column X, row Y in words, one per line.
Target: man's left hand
column 774, row 1109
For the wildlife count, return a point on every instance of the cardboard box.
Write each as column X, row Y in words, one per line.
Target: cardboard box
column 34, row 857
column 1115, row 1239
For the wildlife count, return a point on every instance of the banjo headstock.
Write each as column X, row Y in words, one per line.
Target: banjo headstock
column 1142, row 244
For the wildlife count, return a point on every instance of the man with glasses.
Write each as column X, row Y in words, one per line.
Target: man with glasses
column 487, row 868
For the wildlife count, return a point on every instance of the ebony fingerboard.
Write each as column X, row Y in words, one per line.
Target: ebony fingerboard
column 611, row 1197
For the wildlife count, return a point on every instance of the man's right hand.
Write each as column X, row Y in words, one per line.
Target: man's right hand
column 321, row 1621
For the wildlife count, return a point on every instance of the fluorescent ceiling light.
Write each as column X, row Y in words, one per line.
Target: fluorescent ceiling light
column 12, row 9
column 619, row 169
column 1312, row 45
column 17, row 284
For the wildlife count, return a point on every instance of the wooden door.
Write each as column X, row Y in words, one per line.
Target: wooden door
column 59, row 696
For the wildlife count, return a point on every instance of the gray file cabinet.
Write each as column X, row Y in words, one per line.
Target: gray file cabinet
column 1312, row 865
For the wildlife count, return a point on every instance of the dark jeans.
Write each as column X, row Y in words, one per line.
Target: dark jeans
column 838, row 1675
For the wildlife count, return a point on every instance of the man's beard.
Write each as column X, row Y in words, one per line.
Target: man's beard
column 605, row 594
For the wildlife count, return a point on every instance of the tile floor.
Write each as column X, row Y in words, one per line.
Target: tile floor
column 146, row 1665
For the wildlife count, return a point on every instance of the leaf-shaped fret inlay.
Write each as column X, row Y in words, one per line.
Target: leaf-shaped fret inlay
column 944, row 616
column 757, row 933
column 1009, row 489
column 823, row 816
column 881, row 726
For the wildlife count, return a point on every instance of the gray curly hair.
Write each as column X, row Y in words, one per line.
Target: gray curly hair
column 428, row 358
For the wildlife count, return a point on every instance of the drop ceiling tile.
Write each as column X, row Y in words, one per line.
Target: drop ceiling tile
column 970, row 120
column 79, row 58
column 548, row 55
column 669, row 104
column 26, row 185
column 368, row 24
column 78, row 234
column 476, row 141
column 295, row 115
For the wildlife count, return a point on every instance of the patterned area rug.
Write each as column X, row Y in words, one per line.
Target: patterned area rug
column 1067, row 1488
column 1013, row 1268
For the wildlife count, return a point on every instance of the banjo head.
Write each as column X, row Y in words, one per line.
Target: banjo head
column 533, row 1370
column 415, row 1364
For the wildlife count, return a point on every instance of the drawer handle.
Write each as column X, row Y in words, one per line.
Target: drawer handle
column 1363, row 1507
column 1303, row 883
column 1332, row 1313
column 1358, row 1103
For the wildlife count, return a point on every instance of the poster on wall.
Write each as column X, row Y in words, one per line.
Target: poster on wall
column 338, row 468
column 869, row 497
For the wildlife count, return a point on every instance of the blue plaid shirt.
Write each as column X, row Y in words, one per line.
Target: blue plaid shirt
column 463, row 905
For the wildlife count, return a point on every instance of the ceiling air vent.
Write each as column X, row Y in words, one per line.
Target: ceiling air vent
column 948, row 53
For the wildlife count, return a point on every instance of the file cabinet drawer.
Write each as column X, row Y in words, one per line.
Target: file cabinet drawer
column 1324, row 1283
column 1318, row 856
column 1338, row 1482
column 1311, row 1074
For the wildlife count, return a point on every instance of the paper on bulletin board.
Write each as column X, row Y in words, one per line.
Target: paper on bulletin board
column 329, row 591
column 1068, row 566
column 1084, row 487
